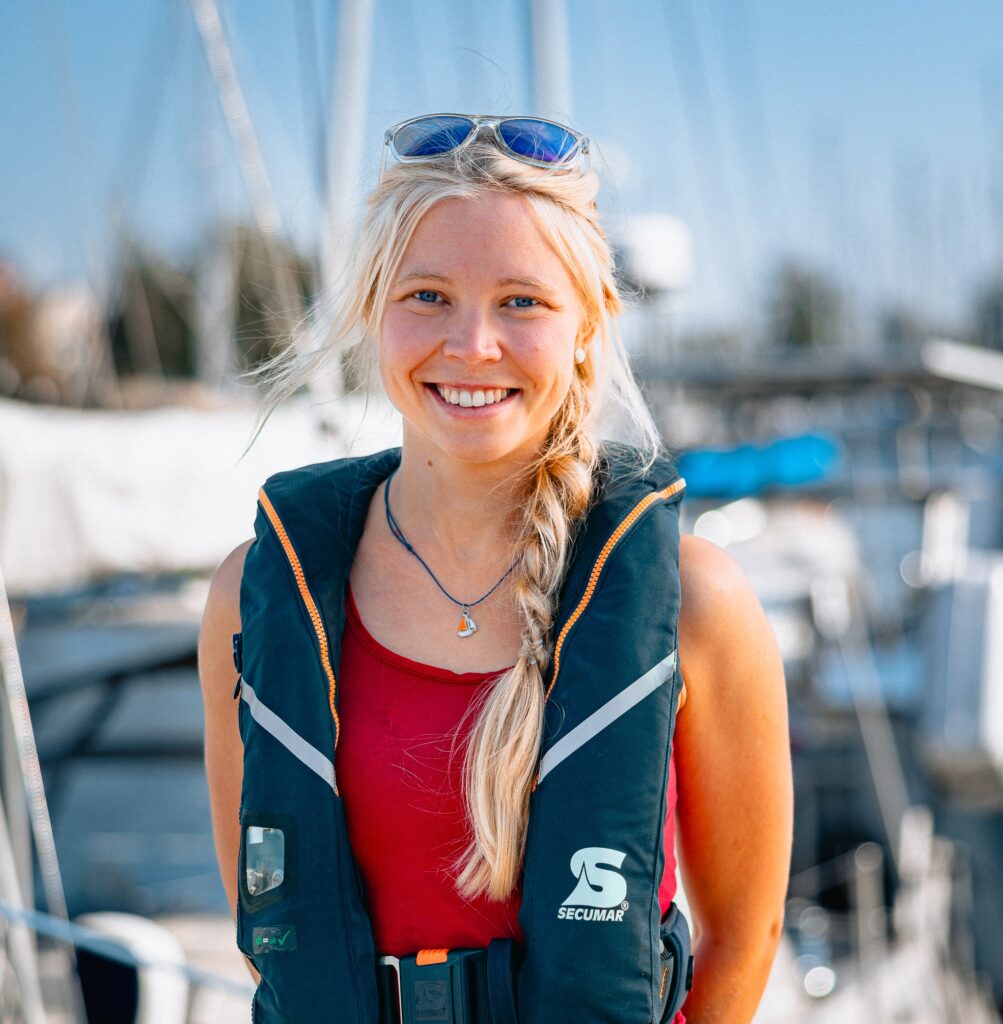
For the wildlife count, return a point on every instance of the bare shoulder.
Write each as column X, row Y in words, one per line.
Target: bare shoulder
column 226, row 581
column 712, row 583
column 221, row 618
column 723, row 630
column 224, row 591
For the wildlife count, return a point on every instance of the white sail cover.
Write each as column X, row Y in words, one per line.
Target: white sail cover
column 88, row 494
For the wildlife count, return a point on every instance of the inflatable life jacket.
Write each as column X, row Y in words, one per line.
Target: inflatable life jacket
column 595, row 946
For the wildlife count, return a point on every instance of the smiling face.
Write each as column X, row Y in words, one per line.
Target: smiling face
column 478, row 335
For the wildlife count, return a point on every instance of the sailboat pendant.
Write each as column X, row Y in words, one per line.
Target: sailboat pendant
column 467, row 625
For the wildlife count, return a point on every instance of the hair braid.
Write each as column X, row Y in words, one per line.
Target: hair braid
column 504, row 742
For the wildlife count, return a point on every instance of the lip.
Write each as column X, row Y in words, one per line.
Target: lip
column 467, row 387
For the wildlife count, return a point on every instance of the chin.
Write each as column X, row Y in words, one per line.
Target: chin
column 473, row 450
column 480, row 454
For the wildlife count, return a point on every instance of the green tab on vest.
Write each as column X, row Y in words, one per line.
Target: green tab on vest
column 276, row 939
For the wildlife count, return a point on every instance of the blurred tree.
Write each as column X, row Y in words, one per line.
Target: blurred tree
column 274, row 287
column 16, row 313
column 989, row 316
column 902, row 329
column 806, row 309
column 51, row 344
column 150, row 325
column 712, row 343
column 157, row 326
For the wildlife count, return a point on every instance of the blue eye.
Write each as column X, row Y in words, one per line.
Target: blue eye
column 524, row 301
column 426, row 295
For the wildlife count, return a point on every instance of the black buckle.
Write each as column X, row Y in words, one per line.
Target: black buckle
column 676, row 964
column 438, row 992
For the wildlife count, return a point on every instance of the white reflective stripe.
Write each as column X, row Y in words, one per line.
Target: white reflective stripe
column 291, row 740
column 607, row 714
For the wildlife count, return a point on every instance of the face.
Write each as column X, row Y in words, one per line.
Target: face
column 478, row 336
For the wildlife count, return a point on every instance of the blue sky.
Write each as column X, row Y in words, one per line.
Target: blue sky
column 865, row 136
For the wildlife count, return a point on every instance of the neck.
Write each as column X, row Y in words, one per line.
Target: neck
column 458, row 512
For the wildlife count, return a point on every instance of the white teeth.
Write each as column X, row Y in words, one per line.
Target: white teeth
column 472, row 399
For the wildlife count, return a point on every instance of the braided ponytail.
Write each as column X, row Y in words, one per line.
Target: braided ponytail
column 504, row 743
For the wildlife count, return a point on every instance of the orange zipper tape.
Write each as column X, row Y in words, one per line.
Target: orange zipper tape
column 635, row 513
column 311, row 607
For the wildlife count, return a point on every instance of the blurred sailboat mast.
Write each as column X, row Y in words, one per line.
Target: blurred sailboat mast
column 238, row 119
column 345, row 149
column 346, row 134
column 551, row 64
column 287, row 295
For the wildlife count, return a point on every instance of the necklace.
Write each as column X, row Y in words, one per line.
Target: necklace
column 467, row 625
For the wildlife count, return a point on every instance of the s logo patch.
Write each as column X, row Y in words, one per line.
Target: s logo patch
column 598, row 886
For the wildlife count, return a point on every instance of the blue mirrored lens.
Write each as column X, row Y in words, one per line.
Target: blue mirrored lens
column 538, row 140
column 432, row 135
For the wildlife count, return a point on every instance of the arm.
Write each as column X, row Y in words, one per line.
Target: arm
column 224, row 757
column 735, row 805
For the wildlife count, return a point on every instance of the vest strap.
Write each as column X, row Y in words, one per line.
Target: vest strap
column 448, row 986
column 501, row 981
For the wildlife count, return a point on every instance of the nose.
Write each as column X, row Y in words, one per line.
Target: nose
column 472, row 338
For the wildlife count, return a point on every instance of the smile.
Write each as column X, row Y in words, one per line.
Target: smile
column 472, row 398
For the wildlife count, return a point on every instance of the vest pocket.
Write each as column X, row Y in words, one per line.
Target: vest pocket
column 267, row 865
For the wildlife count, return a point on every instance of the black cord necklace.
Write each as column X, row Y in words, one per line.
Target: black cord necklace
column 467, row 625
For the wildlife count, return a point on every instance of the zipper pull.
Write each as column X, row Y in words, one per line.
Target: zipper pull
column 238, row 661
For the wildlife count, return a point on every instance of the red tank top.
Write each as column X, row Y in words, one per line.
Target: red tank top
column 402, row 798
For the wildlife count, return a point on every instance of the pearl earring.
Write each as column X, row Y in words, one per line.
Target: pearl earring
column 579, row 355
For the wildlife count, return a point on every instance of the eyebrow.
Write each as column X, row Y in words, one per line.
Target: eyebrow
column 423, row 275
column 525, row 282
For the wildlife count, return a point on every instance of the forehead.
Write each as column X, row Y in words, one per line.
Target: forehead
column 493, row 235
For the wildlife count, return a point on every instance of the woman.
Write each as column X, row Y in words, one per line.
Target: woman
column 467, row 657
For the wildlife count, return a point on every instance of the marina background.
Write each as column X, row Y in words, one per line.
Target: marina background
column 807, row 202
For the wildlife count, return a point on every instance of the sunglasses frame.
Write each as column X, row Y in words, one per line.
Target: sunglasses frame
column 492, row 122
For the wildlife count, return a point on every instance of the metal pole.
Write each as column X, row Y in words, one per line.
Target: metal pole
column 249, row 157
column 238, row 118
column 23, row 955
column 869, row 905
column 346, row 133
column 18, row 826
column 345, row 150
column 551, row 62
column 30, row 775
column 839, row 616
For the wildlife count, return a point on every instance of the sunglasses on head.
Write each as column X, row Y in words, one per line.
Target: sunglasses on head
column 532, row 140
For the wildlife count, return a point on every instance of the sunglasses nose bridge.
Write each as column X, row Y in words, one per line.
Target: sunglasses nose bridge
column 488, row 128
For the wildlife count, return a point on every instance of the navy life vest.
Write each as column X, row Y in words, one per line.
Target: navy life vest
column 590, row 914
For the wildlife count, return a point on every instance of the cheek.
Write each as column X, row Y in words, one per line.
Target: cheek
column 402, row 343
column 550, row 354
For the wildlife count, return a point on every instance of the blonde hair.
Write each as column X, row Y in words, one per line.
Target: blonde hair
column 603, row 401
